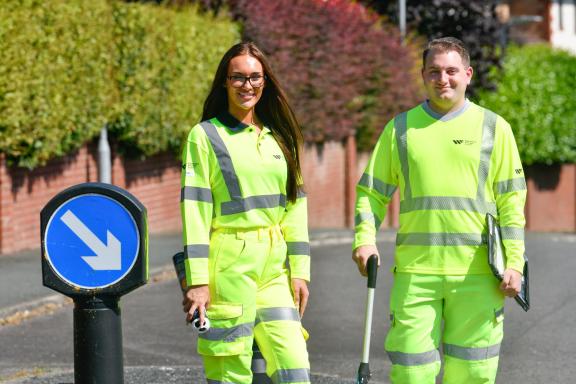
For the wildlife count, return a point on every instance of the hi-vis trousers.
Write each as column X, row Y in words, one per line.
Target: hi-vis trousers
column 251, row 298
column 472, row 308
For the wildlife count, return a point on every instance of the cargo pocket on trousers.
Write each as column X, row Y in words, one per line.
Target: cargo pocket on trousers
column 226, row 336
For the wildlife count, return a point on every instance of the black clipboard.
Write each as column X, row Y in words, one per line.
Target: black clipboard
column 497, row 261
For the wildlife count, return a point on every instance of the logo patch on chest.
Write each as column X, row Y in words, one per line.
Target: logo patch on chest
column 277, row 157
column 463, row 142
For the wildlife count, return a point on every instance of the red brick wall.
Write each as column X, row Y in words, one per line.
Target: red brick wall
column 551, row 203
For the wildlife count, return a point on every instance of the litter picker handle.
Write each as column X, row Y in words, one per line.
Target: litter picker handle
column 372, row 267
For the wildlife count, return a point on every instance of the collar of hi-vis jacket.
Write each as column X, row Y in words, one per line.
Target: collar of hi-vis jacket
column 234, row 124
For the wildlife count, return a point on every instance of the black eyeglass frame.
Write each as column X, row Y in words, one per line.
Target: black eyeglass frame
column 247, row 79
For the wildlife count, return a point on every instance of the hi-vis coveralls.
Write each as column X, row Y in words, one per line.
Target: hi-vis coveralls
column 238, row 231
column 450, row 171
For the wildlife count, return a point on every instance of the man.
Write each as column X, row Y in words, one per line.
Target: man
column 452, row 161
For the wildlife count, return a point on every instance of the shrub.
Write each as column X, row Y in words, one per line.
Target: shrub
column 344, row 71
column 536, row 95
column 68, row 67
column 54, row 86
column 472, row 21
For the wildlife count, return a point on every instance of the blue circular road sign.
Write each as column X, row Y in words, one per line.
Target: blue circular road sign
column 94, row 238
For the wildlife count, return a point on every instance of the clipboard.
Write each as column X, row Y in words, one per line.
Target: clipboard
column 497, row 261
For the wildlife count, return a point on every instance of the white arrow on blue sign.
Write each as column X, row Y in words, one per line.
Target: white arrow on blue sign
column 91, row 241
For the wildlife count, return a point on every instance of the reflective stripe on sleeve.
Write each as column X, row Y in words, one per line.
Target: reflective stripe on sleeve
column 194, row 251
column 367, row 216
column 196, row 194
column 381, row 187
column 510, row 185
column 440, row 239
column 412, row 359
column 298, row 248
column 228, row 334
column 277, row 314
column 470, row 353
column 295, row 375
column 512, row 233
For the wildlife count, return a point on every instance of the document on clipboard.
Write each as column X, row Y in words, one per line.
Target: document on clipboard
column 497, row 261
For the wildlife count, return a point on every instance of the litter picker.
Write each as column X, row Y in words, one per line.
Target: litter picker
column 364, row 368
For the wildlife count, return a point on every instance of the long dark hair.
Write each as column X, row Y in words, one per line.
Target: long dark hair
column 272, row 109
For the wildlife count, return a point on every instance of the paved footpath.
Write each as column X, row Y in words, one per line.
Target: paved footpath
column 36, row 344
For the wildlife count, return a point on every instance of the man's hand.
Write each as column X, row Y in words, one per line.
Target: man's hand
column 300, row 290
column 511, row 282
column 360, row 256
column 197, row 297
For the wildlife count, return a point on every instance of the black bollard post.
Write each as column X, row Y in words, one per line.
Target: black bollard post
column 98, row 355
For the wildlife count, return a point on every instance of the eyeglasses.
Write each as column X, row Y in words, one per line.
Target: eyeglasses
column 238, row 81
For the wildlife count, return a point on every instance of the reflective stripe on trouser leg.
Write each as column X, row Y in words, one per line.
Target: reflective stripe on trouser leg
column 473, row 329
column 277, row 329
column 414, row 335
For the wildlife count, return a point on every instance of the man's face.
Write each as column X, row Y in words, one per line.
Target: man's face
column 445, row 79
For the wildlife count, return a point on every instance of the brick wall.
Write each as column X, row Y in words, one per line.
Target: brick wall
column 330, row 171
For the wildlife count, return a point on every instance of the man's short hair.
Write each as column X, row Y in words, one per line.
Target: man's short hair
column 445, row 44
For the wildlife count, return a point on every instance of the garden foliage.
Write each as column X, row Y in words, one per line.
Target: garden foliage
column 536, row 96
column 472, row 21
column 67, row 67
column 343, row 69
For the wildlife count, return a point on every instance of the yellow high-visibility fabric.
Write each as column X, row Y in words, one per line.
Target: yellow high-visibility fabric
column 233, row 178
column 450, row 171
column 251, row 298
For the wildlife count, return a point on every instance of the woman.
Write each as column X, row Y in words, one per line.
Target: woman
column 244, row 214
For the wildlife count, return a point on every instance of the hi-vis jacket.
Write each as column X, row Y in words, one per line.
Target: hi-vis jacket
column 450, row 170
column 235, row 179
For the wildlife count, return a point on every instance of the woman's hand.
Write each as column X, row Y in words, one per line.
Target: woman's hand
column 197, row 297
column 300, row 290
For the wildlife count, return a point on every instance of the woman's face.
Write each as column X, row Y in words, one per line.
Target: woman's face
column 244, row 84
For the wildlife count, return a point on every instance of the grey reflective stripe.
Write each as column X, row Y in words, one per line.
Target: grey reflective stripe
column 258, row 365
column 469, row 353
column 196, row 194
column 424, row 238
column 401, row 140
column 510, row 185
column 228, row 334
column 252, row 202
column 367, row 216
column 210, row 381
column 499, row 312
column 277, row 314
column 295, row 375
column 447, row 203
column 412, row 359
column 298, row 248
column 300, row 194
column 195, row 251
column 512, row 233
column 380, row 186
column 488, row 133
column 224, row 160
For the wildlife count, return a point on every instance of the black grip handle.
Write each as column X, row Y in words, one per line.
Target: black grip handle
column 372, row 267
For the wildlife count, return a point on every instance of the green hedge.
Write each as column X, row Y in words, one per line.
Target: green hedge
column 67, row 67
column 54, row 85
column 536, row 95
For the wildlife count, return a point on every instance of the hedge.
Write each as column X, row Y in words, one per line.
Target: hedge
column 536, row 95
column 67, row 67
